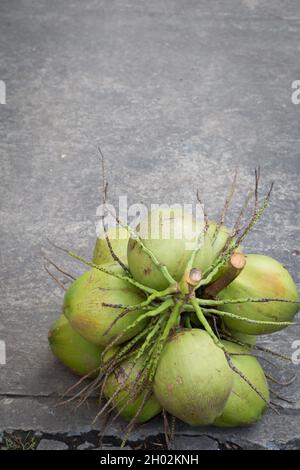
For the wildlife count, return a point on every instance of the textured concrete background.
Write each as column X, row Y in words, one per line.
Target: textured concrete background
column 178, row 93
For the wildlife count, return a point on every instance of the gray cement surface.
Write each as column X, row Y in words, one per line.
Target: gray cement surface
column 177, row 93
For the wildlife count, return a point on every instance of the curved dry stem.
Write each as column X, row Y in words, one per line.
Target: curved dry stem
column 283, row 383
column 111, row 273
column 256, row 347
column 79, row 382
column 205, row 323
column 254, row 388
column 242, row 212
column 227, row 203
column 272, row 353
column 247, row 320
column 104, row 426
column 280, row 397
column 134, row 419
column 228, row 199
column 232, row 244
column 113, row 254
column 167, row 430
column 244, row 300
column 267, row 361
column 62, row 271
column 257, row 214
column 77, row 395
column 54, row 278
column 107, row 405
column 191, row 260
column 104, row 199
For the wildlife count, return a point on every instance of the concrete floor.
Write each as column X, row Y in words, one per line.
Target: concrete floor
column 178, row 93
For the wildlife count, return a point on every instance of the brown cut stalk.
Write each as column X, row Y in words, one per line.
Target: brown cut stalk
column 236, row 265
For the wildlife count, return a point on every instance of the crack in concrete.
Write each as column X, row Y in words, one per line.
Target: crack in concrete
column 93, row 440
column 73, row 441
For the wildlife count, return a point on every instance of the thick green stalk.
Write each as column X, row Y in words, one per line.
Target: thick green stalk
column 205, row 323
column 151, row 313
column 141, row 306
column 120, row 354
column 150, row 335
column 111, row 273
column 171, row 323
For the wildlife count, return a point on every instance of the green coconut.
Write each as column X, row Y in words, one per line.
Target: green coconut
column 118, row 237
column 125, row 376
column 244, row 405
column 262, row 277
column 83, row 306
column 75, row 352
column 171, row 235
column 243, row 338
column 193, row 379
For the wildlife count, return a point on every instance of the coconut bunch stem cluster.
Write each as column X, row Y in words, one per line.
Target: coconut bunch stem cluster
column 155, row 326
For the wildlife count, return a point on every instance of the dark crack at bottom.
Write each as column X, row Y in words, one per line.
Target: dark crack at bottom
column 92, row 440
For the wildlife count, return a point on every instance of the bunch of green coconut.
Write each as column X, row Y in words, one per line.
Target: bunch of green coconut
column 169, row 324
